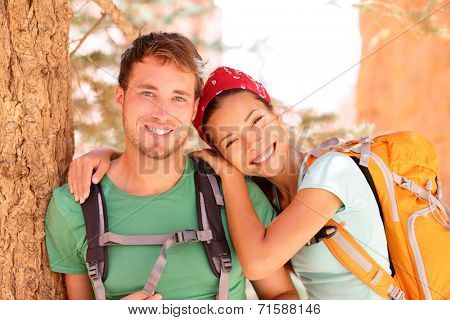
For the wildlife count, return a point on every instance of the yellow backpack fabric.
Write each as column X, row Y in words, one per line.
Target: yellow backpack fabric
column 404, row 168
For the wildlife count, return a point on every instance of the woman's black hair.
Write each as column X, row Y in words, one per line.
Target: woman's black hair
column 216, row 102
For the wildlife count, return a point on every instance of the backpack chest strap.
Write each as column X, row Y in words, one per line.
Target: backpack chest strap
column 181, row 237
column 166, row 240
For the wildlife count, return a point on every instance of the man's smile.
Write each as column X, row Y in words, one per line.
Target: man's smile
column 158, row 131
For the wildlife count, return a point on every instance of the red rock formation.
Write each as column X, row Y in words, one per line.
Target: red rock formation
column 406, row 84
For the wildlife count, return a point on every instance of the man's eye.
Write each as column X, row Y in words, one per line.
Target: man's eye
column 180, row 99
column 147, row 94
column 229, row 143
column 256, row 120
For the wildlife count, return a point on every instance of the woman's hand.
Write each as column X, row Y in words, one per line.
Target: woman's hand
column 220, row 165
column 80, row 171
column 140, row 295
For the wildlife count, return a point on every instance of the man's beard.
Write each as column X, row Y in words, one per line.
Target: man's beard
column 138, row 141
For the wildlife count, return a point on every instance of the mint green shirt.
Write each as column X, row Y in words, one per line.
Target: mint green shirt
column 323, row 276
column 187, row 274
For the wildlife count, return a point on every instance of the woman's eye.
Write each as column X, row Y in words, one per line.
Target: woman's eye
column 147, row 94
column 229, row 143
column 180, row 99
column 256, row 120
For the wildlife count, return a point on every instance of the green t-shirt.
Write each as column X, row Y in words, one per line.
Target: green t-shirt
column 187, row 274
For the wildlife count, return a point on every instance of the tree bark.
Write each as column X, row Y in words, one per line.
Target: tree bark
column 36, row 139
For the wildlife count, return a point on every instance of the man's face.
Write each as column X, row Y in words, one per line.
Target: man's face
column 158, row 107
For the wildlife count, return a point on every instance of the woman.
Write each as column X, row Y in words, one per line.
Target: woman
column 235, row 117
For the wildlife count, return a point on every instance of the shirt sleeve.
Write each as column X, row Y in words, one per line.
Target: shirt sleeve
column 335, row 173
column 261, row 204
column 61, row 223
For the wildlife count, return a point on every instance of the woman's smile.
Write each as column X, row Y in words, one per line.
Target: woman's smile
column 265, row 156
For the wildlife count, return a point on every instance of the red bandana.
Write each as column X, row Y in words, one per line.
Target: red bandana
column 222, row 79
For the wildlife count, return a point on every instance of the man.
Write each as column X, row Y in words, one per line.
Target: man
column 150, row 188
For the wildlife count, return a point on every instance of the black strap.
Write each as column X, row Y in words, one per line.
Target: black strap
column 371, row 183
column 217, row 250
column 324, row 233
column 95, row 253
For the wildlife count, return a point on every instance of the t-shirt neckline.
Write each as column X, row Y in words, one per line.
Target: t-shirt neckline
column 109, row 186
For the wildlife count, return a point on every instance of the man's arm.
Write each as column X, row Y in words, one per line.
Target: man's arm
column 78, row 287
column 278, row 286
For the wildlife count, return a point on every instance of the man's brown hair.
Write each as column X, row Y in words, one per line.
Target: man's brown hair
column 170, row 47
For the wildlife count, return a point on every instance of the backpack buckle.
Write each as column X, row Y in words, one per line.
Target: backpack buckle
column 187, row 236
column 225, row 262
column 93, row 271
column 406, row 183
column 396, row 293
column 324, row 233
column 366, row 139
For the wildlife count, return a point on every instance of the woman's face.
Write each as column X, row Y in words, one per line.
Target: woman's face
column 249, row 135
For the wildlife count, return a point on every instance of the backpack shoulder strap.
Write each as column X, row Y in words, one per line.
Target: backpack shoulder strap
column 342, row 244
column 353, row 257
column 209, row 202
column 96, row 221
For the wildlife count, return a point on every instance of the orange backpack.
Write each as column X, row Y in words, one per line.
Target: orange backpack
column 402, row 170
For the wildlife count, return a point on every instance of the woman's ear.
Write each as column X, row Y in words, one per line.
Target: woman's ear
column 119, row 97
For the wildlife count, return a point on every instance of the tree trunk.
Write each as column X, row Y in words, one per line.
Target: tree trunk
column 36, row 139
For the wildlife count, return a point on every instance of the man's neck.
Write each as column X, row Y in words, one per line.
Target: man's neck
column 142, row 176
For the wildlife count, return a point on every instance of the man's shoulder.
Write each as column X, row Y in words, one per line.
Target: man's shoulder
column 62, row 196
column 65, row 233
column 63, row 193
column 254, row 190
column 261, row 204
column 64, row 209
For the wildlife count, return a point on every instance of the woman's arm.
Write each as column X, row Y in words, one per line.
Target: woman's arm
column 80, row 170
column 262, row 250
column 277, row 286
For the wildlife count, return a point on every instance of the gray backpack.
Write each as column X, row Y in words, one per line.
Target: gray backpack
column 209, row 201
